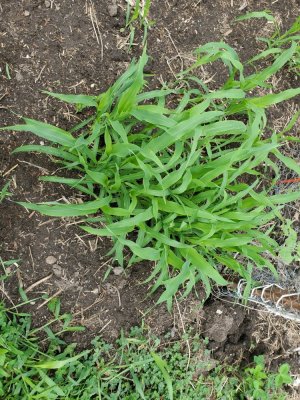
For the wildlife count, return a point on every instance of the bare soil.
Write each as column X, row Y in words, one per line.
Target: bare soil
column 51, row 45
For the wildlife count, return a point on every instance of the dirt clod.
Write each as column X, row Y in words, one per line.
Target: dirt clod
column 220, row 328
column 223, row 322
column 19, row 76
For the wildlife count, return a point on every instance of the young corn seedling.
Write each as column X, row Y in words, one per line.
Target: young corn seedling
column 185, row 183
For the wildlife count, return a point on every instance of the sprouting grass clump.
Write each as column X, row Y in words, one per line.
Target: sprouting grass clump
column 180, row 176
column 278, row 41
column 139, row 367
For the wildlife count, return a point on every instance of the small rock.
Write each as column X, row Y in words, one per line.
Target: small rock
column 173, row 332
column 118, row 271
column 219, row 312
column 57, row 270
column 121, row 283
column 109, row 288
column 51, row 260
column 47, row 4
column 296, row 382
column 8, row 270
column 26, row 13
column 19, row 76
column 112, row 10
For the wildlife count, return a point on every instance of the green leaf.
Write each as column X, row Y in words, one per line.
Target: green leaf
column 67, row 210
column 46, row 131
column 177, row 132
column 205, row 267
column 270, row 99
column 288, row 162
column 163, row 366
column 57, row 364
column 52, row 151
column 259, row 78
column 256, row 14
column 226, row 94
column 80, row 99
column 156, row 119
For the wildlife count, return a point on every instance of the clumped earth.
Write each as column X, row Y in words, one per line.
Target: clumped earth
column 52, row 45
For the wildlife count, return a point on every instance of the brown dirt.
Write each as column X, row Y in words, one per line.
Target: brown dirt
column 51, row 45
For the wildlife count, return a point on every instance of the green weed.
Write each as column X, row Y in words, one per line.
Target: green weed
column 290, row 250
column 277, row 43
column 7, row 70
column 139, row 367
column 183, row 177
column 258, row 385
column 4, row 192
column 138, row 14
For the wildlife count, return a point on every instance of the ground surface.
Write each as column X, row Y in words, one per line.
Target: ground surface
column 52, row 45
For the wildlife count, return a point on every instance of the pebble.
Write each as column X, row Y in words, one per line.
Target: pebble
column 26, row 13
column 47, row 4
column 112, row 10
column 51, row 260
column 173, row 332
column 19, row 76
column 296, row 382
column 57, row 270
column 118, row 271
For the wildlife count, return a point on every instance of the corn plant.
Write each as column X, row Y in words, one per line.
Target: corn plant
column 181, row 176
